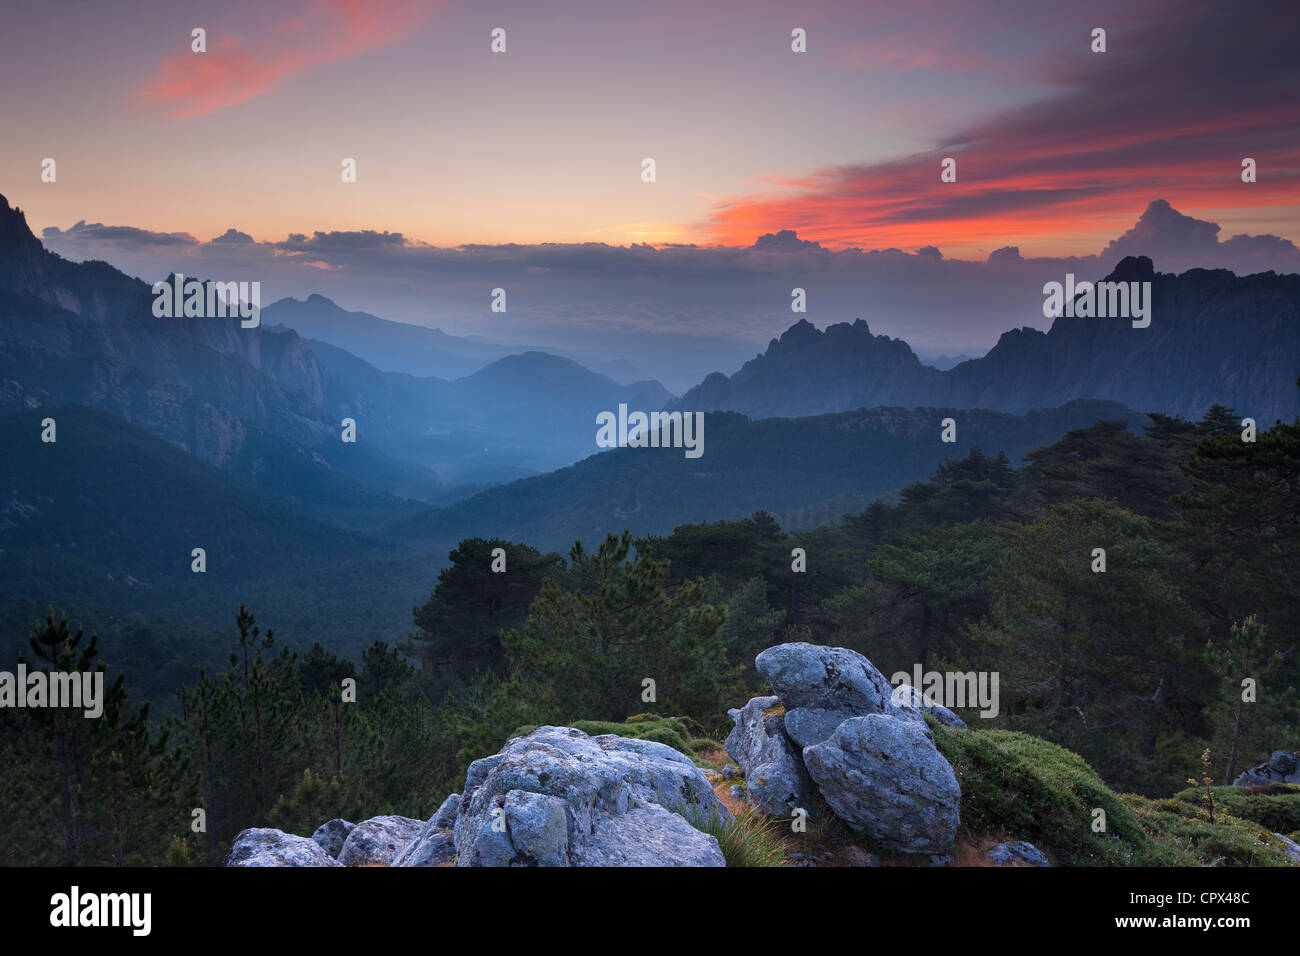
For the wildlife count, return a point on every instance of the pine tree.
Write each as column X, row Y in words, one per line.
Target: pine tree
column 1252, row 711
column 460, row 624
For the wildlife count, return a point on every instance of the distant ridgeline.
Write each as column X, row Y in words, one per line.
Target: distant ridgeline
column 1213, row 337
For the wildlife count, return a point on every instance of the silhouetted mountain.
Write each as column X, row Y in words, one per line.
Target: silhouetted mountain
column 621, row 371
column 533, row 411
column 807, row 372
column 1213, row 337
column 85, row 333
column 827, row 465
column 540, row 390
column 385, row 344
column 944, row 362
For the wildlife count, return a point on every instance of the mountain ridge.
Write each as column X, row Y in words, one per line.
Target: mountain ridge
column 85, row 333
column 1192, row 356
column 826, row 465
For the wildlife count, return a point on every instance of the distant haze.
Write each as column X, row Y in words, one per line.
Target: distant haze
column 676, row 313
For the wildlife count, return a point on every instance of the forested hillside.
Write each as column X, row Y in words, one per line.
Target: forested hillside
column 1137, row 668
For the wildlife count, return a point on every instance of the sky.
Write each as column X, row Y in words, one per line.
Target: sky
column 525, row 167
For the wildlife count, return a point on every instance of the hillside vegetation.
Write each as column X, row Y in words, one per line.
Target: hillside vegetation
column 1113, row 683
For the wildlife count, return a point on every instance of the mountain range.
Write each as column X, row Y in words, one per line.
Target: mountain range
column 388, row 345
column 1213, row 337
column 175, row 433
column 85, row 333
column 823, row 466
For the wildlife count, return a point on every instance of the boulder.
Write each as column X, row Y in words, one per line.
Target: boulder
column 647, row 836
column 331, row 836
column 559, row 797
column 821, row 687
column 910, row 702
column 1282, row 767
column 435, row 844
column 1018, row 853
column 775, row 779
column 882, row 774
column 379, row 840
column 811, row 725
column 431, row 848
column 1283, row 762
column 444, row 818
column 267, row 847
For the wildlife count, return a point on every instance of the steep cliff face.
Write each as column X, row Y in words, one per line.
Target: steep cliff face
column 94, row 291
column 1213, row 337
column 86, row 333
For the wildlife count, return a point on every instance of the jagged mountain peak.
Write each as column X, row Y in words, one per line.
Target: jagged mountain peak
column 1192, row 354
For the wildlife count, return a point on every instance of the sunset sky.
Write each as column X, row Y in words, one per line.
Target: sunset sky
column 775, row 169
column 1057, row 147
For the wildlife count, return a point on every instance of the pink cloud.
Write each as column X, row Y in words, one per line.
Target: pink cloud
column 1173, row 112
column 237, row 68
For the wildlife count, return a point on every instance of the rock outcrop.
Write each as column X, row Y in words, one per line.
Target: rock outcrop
column 1282, row 767
column 556, row 797
column 834, row 735
column 821, row 687
column 435, row 844
column 863, row 745
column 1019, row 853
column 379, row 840
column 332, row 834
column 775, row 778
column 882, row 774
column 561, row 798
column 267, row 847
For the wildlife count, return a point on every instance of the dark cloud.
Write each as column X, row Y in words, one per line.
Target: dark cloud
column 1174, row 240
column 89, row 234
column 784, row 241
column 342, row 241
column 233, row 235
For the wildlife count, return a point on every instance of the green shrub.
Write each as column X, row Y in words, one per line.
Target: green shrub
column 1040, row 792
column 1182, row 828
column 1276, row 807
column 1043, row 793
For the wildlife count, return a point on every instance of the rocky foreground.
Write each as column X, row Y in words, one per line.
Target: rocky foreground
column 834, row 740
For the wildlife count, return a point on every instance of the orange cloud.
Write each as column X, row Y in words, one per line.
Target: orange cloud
column 1020, row 177
column 237, row 68
column 1170, row 112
